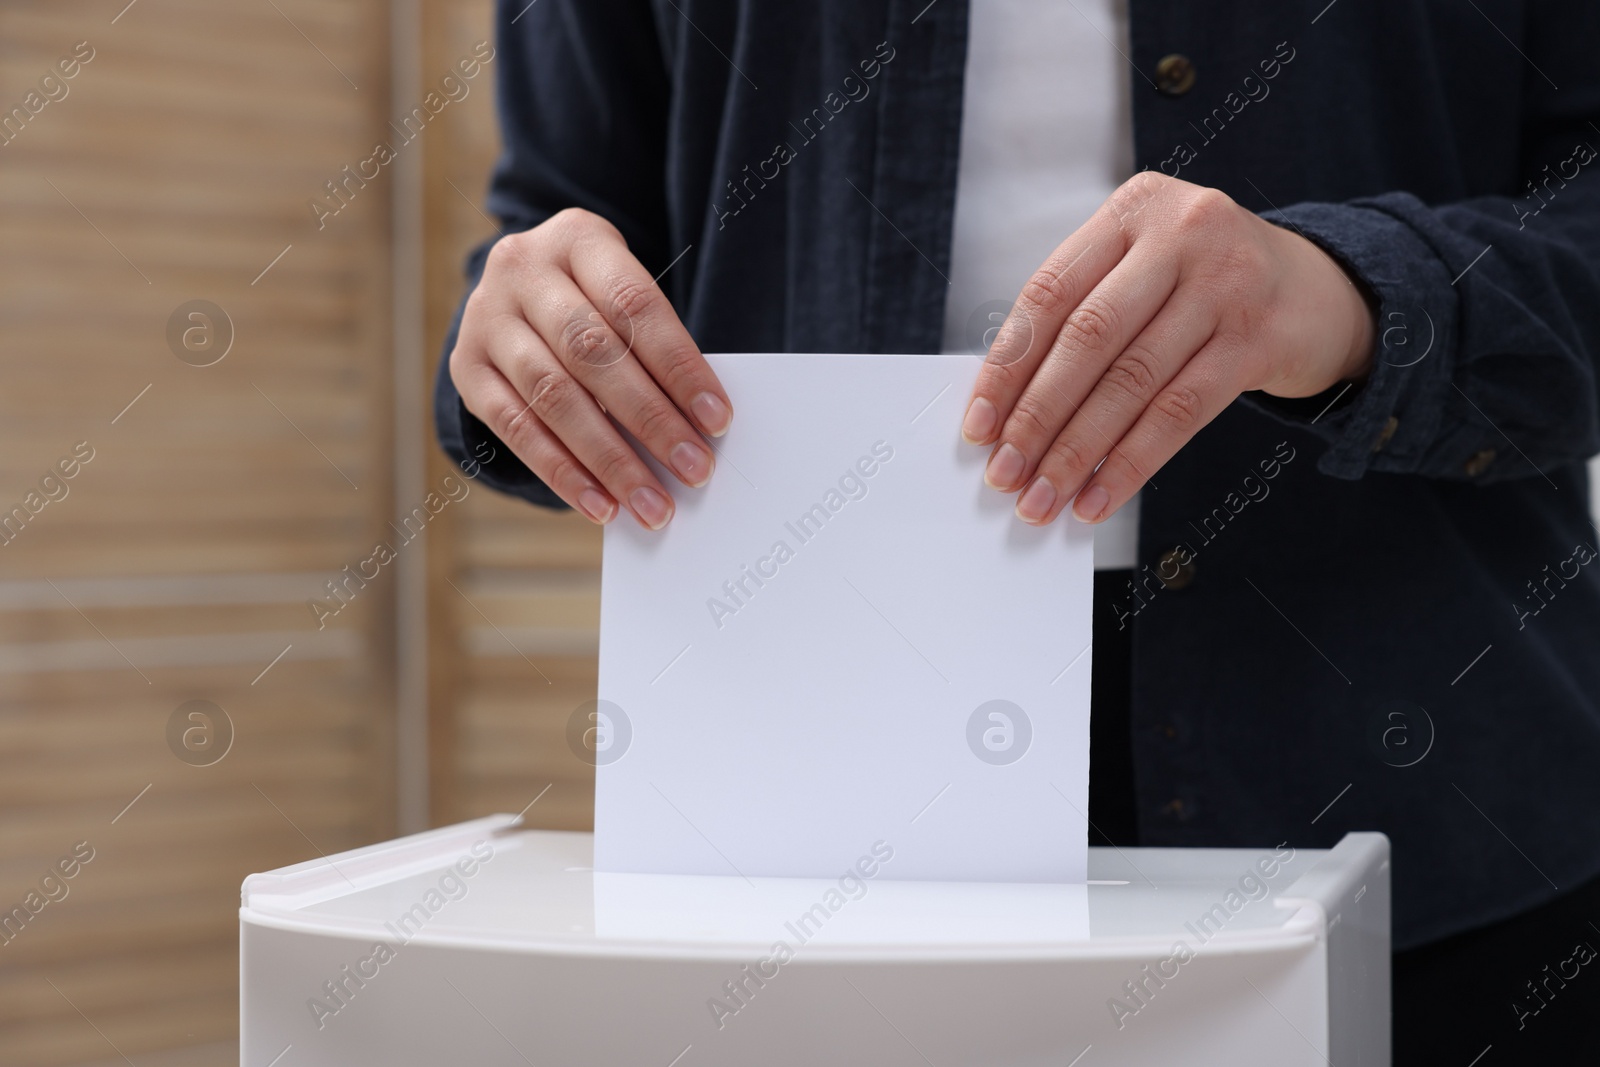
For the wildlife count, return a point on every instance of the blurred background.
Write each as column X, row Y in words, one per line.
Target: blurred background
column 240, row 460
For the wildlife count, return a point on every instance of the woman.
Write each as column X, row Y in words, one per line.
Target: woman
column 1300, row 302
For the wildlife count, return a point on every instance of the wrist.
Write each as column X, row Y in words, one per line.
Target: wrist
column 1363, row 317
column 1331, row 322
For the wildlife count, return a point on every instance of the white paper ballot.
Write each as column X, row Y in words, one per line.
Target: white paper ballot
column 845, row 645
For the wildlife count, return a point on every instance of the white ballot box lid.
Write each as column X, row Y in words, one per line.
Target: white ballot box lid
column 536, row 889
column 1314, row 921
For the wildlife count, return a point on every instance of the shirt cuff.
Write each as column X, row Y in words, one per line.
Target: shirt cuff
column 1392, row 421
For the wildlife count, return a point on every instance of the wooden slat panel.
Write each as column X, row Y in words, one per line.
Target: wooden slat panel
column 513, row 730
column 499, row 707
column 178, row 167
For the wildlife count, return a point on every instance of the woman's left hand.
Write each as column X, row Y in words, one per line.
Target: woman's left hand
column 1140, row 328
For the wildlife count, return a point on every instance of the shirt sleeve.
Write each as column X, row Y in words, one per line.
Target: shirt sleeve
column 581, row 89
column 1488, row 310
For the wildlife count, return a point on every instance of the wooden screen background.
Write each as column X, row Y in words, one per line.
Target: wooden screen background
column 514, row 593
column 178, row 167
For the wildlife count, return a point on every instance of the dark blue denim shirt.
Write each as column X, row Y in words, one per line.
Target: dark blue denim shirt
column 1385, row 611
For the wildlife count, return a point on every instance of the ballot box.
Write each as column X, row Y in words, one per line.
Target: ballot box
column 487, row 943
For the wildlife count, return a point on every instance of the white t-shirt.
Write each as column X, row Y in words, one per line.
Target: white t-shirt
column 1046, row 136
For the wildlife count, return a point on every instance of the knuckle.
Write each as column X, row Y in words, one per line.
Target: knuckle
column 1044, row 293
column 1205, row 209
column 561, row 473
column 480, row 301
column 1030, row 420
column 1180, row 406
column 632, row 299
column 507, row 255
column 552, row 396
column 584, row 340
column 1146, row 183
column 573, row 221
column 462, row 359
column 1016, row 330
column 1091, row 325
column 615, row 462
column 679, row 366
column 516, row 427
column 1132, row 195
column 1132, row 373
column 1073, row 455
column 1011, row 345
column 658, row 420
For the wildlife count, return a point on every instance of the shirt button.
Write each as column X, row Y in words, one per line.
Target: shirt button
column 1386, row 434
column 1175, row 568
column 1175, row 75
column 1479, row 462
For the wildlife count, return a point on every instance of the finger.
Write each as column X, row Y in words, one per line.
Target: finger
column 570, row 412
column 489, row 396
column 634, row 304
column 597, row 354
column 1033, row 323
column 1201, row 390
column 1054, row 291
column 1094, row 334
column 1180, row 329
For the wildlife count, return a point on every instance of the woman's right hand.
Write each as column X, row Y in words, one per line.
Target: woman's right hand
column 567, row 331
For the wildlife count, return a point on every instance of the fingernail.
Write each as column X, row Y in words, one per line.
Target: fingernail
column 650, row 506
column 1090, row 503
column 980, row 420
column 692, row 463
column 596, row 505
column 1037, row 501
column 1005, row 467
column 713, row 414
